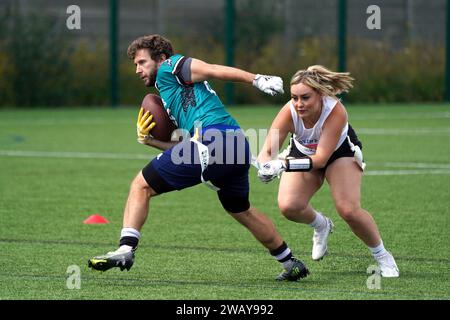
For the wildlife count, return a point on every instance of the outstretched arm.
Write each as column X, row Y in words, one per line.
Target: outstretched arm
column 201, row 71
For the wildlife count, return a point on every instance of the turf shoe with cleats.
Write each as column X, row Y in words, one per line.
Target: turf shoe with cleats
column 295, row 272
column 122, row 258
column 320, row 240
column 388, row 267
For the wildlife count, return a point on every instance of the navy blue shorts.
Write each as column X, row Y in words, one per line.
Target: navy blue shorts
column 179, row 167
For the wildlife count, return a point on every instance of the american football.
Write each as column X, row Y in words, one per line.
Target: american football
column 164, row 125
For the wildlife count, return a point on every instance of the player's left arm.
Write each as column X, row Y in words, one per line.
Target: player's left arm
column 331, row 132
column 201, row 71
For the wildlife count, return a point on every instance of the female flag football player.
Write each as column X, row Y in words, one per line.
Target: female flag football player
column 323, row 146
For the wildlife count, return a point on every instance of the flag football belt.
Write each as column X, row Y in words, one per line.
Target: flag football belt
column 358, row 157
column 203, row 154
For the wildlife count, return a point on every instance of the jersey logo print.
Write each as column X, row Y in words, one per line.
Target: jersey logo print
column 312, row 146
column 188, row 97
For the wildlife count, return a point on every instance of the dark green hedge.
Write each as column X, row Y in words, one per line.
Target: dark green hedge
column 41, row 66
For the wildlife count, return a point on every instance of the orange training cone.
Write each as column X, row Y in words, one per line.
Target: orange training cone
column 95, row 219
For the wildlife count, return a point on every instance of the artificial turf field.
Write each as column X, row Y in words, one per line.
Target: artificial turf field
column 57, row 167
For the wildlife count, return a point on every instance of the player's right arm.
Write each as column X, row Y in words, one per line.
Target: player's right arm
column 144, row 126
column 201, row 71
column 280, row 128
column 161, row 145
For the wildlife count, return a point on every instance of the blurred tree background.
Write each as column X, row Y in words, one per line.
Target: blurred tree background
column 43, row 63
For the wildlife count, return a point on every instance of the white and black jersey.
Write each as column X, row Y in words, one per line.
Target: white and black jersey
column 304, row 141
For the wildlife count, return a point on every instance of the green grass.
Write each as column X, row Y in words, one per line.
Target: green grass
column 190, row 248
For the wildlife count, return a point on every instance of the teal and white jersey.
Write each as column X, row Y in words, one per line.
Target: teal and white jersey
column 187, row 103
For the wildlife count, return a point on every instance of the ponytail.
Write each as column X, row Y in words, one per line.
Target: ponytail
column 323, row 80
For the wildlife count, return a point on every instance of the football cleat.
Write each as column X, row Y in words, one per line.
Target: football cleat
column 388, row 267
column 320, row 241
column 121, row 258
column 297, row 271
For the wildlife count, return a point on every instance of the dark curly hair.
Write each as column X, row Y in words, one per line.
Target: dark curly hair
column 155, row 44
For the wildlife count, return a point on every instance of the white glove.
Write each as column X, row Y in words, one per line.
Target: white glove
column 268, row 84
column 270, row 170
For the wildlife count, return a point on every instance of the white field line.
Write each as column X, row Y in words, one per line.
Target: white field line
column 404, row 172
column 64, row 121
column 75, row 155
column 124, row 120
column 400, row 116
column 399, row 132
column 416, row 165
column 417, row 168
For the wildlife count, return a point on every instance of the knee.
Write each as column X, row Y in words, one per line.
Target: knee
column 235, row 204
column 291, row 209
column 348, row 210
column 139, row 184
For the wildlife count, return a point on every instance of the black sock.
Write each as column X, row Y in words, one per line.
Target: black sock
column 283, row 254
column 129, row 241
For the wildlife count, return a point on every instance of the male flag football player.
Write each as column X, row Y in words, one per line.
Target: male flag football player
column 190, row 101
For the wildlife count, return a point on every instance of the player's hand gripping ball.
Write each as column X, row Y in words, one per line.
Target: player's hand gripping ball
column 153, row 121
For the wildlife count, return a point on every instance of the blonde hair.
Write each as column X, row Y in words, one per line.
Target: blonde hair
column 324, row 81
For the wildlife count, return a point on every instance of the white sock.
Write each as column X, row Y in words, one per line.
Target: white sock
column 129, row 237
column 130, row 232
column 283, row 255
column 319, row 222
column 125, row 248
column 378, row 250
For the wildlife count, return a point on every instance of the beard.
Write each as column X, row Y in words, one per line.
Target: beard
column 150, row 80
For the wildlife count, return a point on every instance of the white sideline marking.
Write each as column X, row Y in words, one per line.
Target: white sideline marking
column 400, row 116
column 428, row 168
column 398, row 132
column 75, row 155
column 63, row 121
column 101, row 120
column 403, row 172
column 417, row 165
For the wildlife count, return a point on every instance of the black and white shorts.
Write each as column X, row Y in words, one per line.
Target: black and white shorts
column 344, row 149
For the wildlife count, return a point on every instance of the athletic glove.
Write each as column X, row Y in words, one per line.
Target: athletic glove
column 268, row 84
column 270, row 170
column 143, row 126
